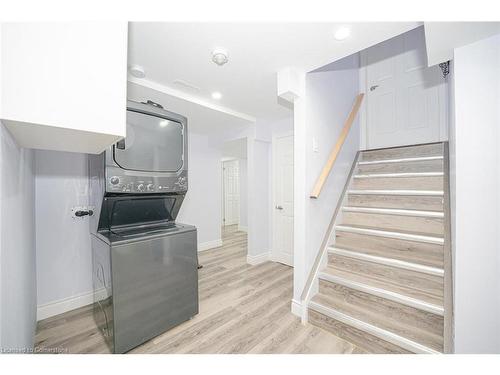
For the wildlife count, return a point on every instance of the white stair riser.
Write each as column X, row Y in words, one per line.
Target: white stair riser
column 395, row 222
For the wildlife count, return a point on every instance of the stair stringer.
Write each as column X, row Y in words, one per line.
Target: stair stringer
column 312, row 284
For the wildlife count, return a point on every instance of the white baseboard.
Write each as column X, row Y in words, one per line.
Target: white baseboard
column 242, row 228
column 209, row 245
column 67, row 304
column 257, row 259
column 297, row 308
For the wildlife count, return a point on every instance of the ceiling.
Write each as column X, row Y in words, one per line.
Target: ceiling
column 201, row 119
column 257, row 51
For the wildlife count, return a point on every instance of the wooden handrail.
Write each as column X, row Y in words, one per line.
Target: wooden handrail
column 320, row 182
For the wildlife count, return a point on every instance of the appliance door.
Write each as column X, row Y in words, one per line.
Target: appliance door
column 153, row 144
column 155, row 287
column 129, row 210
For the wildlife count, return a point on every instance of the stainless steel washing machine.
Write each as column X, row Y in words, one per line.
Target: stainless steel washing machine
column 144, row 262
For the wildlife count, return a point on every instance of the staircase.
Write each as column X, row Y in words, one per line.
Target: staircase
column 382, row 283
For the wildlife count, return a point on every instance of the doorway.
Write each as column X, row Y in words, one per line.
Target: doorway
column 230, row 192
column 283, row 199
column 406, row 101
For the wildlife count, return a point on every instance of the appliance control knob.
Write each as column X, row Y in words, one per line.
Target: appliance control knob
column 114, row 180
column 140, row 187
column 150, row 187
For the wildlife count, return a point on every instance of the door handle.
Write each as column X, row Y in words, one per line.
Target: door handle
column 278, row 207
column 374, row 87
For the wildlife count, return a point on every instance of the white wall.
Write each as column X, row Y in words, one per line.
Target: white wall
column 243, row 184
column 63, row 252
column 329, row 99
column 17, row 246
column 475, row 138
column 202, row 205
column 258, row 199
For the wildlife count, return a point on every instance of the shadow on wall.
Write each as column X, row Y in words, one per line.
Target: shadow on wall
column 63, row 250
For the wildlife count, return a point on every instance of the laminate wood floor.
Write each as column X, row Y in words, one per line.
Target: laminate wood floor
column 243, row 309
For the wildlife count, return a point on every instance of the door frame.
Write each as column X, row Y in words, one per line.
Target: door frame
column 272, row 212
column 443, row 94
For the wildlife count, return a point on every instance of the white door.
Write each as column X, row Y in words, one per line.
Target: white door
column 406, row 100
column 231, row 191
column 283, row 199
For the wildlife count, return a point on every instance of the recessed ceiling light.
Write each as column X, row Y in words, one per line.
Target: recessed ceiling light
column 216, row 95
column 342, row 33
column 137, row 71
column 220, row 56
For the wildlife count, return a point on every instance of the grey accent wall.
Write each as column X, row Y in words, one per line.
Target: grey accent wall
column 17, row 246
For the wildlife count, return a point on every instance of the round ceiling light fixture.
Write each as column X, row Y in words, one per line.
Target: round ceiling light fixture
column 220, row 56
column 216, row 95
column 137, row 71
column 342, row 33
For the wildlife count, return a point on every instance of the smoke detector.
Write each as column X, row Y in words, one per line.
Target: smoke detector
column 219, row 56
column 137, row 71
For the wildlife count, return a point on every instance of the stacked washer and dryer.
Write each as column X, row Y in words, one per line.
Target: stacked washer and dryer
column 144, row 263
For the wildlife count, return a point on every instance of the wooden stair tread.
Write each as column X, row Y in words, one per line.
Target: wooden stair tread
column 385, row 285
column 370, row 316
column 412, row 233
column 427, row 254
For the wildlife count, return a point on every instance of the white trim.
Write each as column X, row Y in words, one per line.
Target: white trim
column 437, row 193
column 242, row 228
column 383, row 293
column 190, row 98
column 209, row 245
column 398, row 175
column 258, row 259
column 387, row 261
column 67, row 304
column 394, row 211
column 402, row 160
column 296, row 308
column 389, row 234
column 372, row 330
